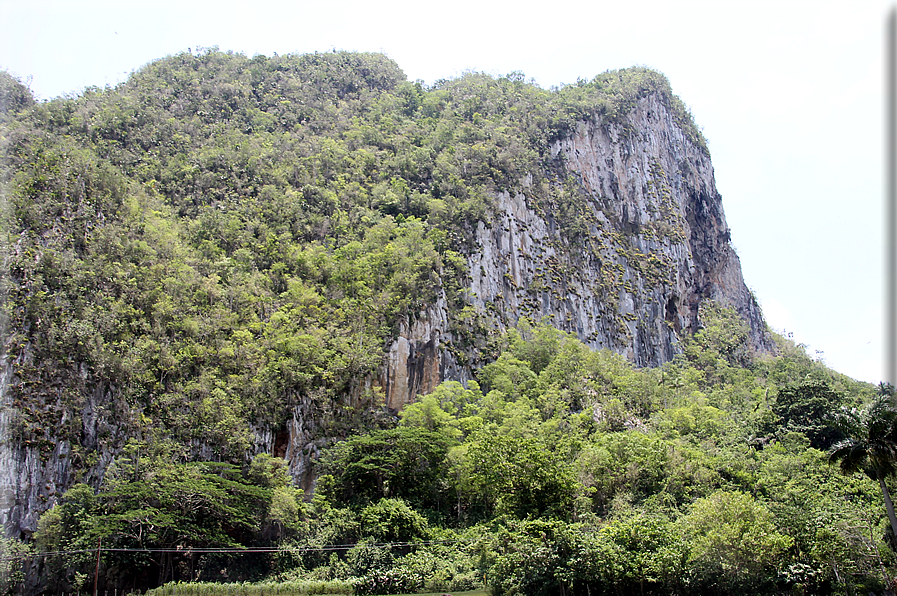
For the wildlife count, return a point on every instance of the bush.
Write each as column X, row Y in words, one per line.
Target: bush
column 392, row 581
column 392, row 520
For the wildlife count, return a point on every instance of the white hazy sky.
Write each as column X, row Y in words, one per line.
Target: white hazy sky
column 788, row 94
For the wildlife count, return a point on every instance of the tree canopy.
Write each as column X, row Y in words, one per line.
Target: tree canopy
column 650, row 481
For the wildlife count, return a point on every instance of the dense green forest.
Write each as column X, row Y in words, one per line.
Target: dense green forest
column 190, row 254
column 561, row 471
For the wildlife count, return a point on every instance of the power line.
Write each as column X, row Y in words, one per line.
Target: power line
column 231, row 550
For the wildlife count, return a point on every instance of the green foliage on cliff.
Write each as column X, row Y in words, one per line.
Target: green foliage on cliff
column 222, row 237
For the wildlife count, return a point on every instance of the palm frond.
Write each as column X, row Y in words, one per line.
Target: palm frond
column 871, row 446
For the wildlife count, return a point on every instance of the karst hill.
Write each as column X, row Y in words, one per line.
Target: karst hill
column 255, row 255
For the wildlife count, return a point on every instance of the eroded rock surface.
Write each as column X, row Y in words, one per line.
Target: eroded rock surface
column 627, row 270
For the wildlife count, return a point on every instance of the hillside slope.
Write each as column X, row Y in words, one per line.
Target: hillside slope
column 246, row 255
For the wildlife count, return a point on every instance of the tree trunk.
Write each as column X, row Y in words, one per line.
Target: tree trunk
column 888, row 504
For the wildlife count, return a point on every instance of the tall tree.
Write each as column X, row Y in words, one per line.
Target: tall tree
column 806, row 407
column 871, row 444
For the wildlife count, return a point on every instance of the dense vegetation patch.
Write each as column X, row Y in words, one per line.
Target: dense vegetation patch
column 561, row 470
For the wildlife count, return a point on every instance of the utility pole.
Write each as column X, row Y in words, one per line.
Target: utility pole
column 96, row 576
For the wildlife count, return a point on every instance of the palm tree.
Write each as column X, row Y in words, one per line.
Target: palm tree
column 871, row 446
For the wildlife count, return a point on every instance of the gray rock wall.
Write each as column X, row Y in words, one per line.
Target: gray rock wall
column 628, row 272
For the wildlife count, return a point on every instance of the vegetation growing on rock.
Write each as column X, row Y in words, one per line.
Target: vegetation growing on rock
column 246, row 231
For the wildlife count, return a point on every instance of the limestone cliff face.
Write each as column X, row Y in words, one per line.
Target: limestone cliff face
column 627, row 269
column 34, row 475
column 415, row 362
column 622, row 256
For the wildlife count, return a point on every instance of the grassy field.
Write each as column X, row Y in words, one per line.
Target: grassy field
column 282, row 589
column 481, row 592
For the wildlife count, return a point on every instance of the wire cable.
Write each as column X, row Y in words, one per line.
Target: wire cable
column 230, row 550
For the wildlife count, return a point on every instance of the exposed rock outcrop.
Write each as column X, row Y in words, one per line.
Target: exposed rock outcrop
column 415, row 362
column 624, row 266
